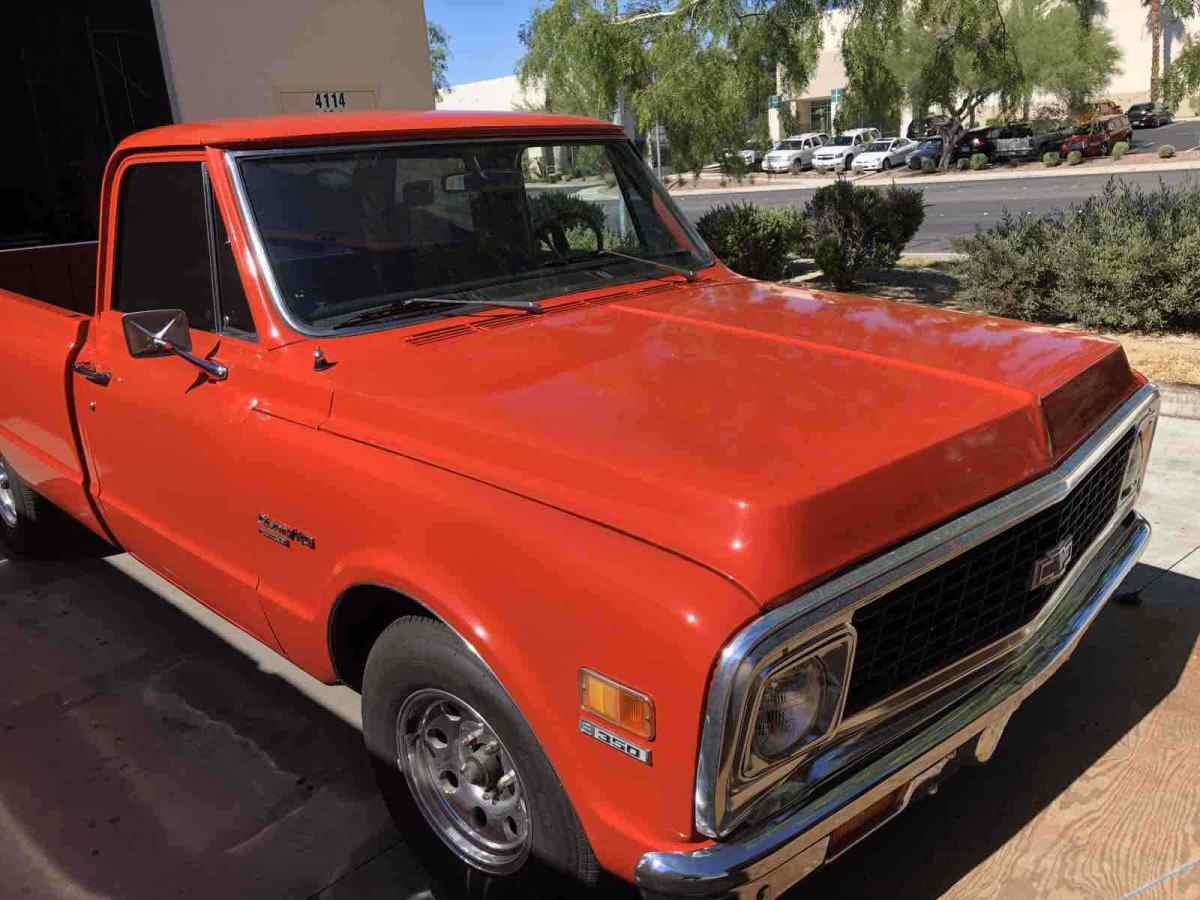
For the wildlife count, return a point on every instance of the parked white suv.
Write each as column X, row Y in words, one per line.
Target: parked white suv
column 840, row 152
column 794, row 154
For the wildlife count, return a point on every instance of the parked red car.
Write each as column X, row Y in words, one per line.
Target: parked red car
column 638, row 564
column 1097, row 137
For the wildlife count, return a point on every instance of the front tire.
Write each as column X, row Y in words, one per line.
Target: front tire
column 22, row 512
column 463, row 774
column 886, row 165
column 797, row 166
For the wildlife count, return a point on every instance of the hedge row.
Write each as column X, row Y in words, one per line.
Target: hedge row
column 1126, row 258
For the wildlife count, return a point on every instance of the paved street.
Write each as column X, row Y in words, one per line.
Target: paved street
column 957, row 207
column 150, row 750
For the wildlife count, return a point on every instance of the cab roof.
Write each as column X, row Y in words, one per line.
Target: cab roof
column 357, row 127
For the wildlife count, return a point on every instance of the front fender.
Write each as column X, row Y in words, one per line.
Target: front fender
column 539, row 593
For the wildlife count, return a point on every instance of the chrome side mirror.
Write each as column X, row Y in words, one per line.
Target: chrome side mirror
column 157, row 332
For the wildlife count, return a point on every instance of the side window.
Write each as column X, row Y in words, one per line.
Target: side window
column 231, row 297
column 162, row 242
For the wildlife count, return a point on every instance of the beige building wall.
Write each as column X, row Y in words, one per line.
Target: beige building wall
column 494, row 94
column 258, row 57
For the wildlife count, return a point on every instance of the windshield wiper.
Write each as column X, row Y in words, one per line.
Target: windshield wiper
column 689, row 274
column 395, row 307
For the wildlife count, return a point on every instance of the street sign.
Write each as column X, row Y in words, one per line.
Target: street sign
column 773, row 102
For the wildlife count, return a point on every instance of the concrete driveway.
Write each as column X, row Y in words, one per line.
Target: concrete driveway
column 148, row 751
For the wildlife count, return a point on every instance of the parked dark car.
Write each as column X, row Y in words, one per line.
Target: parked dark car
column 1029, row 140
column 1097, row 137
column 928, row 149
column 1149, row 115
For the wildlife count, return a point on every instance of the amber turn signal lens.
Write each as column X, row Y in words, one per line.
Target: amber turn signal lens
column 615, row 703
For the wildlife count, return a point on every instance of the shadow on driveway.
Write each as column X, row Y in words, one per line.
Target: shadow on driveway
column 145, row 757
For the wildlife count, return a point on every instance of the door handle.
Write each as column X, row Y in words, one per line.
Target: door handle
column 88, row 371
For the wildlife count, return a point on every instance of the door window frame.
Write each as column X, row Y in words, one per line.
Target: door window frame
column 212, row 208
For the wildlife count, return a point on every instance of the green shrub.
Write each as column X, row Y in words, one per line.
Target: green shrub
column 928, row 164
column 978, row 161
column 1126, row 259
column 1051, row 160
column 733, row 166
column 1166, row 151
column 754, row 241
column 914, row 163
column 1074, row 158
column 1119, row 149
column 862, row 228
column 963, row 164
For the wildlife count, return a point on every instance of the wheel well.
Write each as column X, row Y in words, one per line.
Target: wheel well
column 359, row 617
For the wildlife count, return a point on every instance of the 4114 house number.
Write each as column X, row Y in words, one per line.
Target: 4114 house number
column 329, row 101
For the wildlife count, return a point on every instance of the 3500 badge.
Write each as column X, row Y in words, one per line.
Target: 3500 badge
column 604, row 737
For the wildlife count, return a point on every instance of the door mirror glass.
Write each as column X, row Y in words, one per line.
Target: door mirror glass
column 155, row 332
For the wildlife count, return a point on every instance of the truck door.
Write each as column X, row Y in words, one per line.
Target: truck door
column 163, row 438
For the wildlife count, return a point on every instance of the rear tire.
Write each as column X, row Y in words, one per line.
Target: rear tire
column 22, row 512
column 430, row 704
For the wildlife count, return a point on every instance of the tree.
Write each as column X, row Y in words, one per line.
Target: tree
column 439, row 59
column 1182, row 77
column 702, row 68
column 956, row 55
column 1154, row 18
column 1040, row 30
column 948, row 54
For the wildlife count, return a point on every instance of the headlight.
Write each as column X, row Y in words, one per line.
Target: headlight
column 798, row 702
column 791, row 702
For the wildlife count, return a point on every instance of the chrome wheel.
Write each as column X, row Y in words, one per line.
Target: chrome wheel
column 464, row 780
column 8, row 499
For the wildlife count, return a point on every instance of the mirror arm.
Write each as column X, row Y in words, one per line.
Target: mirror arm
column 214, row 370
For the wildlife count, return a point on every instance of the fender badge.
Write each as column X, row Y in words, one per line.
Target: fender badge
column 284, row 535
column 631, row 750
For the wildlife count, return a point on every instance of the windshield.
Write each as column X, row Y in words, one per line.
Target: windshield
column 1139, row 107
column 935, row 144
column 790, row 145
column 842, row 140
column 351, row 230
column 878, row 146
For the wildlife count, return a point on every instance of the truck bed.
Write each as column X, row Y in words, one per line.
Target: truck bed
column 46, row 301
column 60, row 274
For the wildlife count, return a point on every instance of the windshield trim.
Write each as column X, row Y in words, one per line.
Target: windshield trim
column 267, row 271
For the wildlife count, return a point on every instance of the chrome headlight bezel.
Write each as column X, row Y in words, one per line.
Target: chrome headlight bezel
column 835, row 657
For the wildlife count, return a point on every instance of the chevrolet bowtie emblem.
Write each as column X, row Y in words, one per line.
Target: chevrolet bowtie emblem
column 1054, row 564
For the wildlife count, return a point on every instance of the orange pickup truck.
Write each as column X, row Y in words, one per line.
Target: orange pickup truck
column 639, row 565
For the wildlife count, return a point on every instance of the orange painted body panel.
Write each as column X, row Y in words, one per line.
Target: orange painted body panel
column 619, row 484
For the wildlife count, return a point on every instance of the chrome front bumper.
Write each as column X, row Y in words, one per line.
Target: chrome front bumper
column 776, row 856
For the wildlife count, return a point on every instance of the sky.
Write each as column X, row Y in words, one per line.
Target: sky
column 483, row 35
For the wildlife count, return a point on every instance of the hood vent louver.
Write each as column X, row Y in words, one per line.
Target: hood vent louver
column 492, row 323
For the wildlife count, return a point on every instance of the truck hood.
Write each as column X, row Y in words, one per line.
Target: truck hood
column 773, row 435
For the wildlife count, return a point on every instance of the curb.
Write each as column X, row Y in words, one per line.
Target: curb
column 1180, row 401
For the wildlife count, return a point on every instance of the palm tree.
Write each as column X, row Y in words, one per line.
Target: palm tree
column 1154, row 14
column 1178, row 8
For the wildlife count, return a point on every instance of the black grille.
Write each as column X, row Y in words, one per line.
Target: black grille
column 978, row 597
